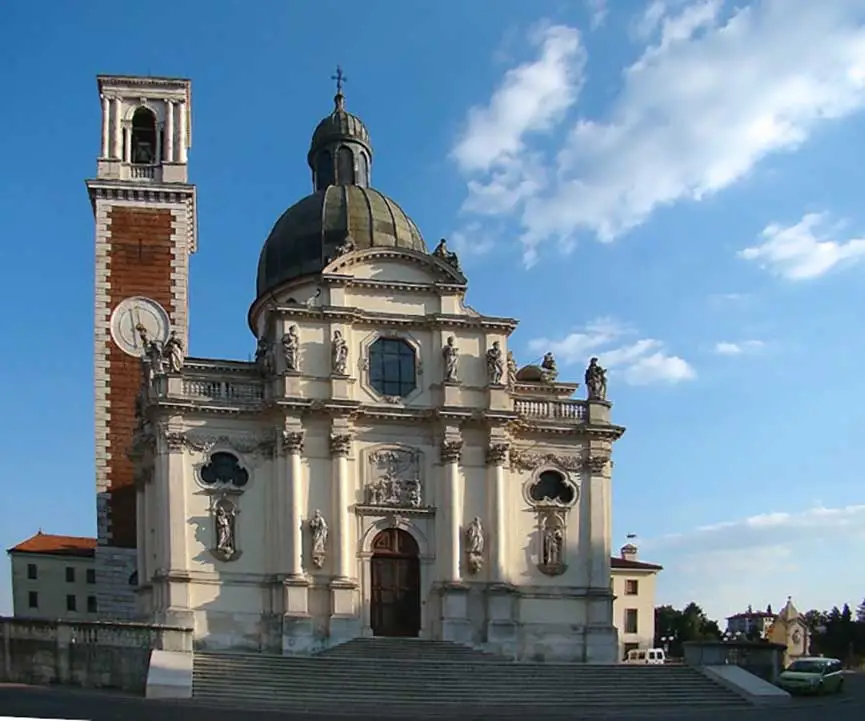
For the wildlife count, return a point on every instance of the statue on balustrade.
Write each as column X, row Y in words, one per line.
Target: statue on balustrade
column 512, row 370
column 495, row 364
column 448, row 256
column 173, row 353
column 596, row 381
column 264, row 356
column 549, row 368
column 291, row 349
column 339, row 354
column 318, row 526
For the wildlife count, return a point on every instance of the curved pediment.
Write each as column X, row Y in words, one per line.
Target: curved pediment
column 395, row 265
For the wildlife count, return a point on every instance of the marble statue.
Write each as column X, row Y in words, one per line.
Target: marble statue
column 413, row 493
column 549, row 368
column 339, row 354
column 225, row 515
column 448, row 256
column 450, row 354
column 291, row 349
column 596, row 381
column 173, row 353
column 552, row 546
column 512, row 369
column 475, row 544
column 495, row 364
column 347, row 246
column 318, row 526
column 264, row 356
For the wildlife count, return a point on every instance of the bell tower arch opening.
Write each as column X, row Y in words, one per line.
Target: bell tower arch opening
column 144, row 137
column 395, row 598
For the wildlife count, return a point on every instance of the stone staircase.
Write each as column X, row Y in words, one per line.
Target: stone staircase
column 435, row 679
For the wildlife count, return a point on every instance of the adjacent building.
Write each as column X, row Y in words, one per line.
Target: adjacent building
column 634, row 586
column 750, row 623
column 53, row 577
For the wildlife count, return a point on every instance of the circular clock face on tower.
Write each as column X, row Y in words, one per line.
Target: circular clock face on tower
column 133, row 313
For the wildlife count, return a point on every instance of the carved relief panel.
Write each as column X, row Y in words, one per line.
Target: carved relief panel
column 394, row 479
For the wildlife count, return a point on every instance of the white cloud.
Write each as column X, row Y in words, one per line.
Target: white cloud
column 472, row 240
column 739, row 348
column 803, row 250
column 762, row 559
column 532, row 97
column 640, row 362
column 711, row 97
column 598, row 10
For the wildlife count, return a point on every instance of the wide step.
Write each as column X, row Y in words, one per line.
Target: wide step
column 409, row 648
column 446, row 681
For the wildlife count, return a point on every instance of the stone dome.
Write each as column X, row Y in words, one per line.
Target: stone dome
column 306, row 238
column 339, row 126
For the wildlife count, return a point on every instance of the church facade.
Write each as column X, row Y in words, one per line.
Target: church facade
column 383, row 467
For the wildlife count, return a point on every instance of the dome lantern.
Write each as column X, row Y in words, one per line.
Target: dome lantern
column 340, row 152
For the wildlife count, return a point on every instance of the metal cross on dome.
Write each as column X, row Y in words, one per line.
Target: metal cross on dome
column 340, row 79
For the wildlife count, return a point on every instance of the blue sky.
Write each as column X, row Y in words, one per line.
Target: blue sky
column 673, row 186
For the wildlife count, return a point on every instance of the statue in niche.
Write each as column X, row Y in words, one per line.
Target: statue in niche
column 450, row 354
column 225, row 517
column 264, row 357
column 318, row 526
column 495, row 364
column 397, row 483
column 173, row 353
column 549, row 368
column 512, row 370
column 552, row 546
column 448, row 256
column 596, row 381
column 291, row 349
column 475, row 545
column 339, row 354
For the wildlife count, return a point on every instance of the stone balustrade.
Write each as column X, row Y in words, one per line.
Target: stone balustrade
column 95, row 654
column 569, row 411
column 234, row 384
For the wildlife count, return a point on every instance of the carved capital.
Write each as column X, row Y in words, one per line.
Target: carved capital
column 340, row 444
column 292, row 442
column 598, row 464
column 528, row 461
column 497, row 453
column 174, row 441
column 451, row 450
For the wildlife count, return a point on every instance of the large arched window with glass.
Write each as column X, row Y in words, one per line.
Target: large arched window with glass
column 392, row 367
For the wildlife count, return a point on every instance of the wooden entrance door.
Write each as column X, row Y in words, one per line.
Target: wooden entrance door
column 395, row 601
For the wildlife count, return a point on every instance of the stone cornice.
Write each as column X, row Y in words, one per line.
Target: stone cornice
column 176, row 193
column 357, row 316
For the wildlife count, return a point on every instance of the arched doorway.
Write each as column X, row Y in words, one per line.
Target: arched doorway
column 395, row 598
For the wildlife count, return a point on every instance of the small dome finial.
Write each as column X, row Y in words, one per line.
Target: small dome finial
column 339, row 98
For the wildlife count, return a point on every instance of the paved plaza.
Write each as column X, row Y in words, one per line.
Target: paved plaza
column 54, row 703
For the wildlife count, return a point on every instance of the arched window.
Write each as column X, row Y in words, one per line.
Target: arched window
column 224, row 469
column 324, row 170
column 345, row 166
column 392, row 367
column 362, row 170
column 143, row 137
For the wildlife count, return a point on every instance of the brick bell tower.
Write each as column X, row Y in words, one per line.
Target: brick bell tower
column 146, row 230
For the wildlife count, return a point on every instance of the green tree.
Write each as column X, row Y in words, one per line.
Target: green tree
column 860, row 613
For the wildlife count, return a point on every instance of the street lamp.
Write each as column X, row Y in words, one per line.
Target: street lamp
column 667, row 640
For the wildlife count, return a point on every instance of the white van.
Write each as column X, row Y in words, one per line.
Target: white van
column 643, row 655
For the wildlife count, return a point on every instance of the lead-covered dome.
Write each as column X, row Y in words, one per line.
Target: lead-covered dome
column 310, row 233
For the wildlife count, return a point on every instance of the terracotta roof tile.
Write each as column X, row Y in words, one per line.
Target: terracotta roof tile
column 56, row 545
column 624, row 563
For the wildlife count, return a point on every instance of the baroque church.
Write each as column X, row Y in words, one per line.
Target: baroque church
column 382, row 468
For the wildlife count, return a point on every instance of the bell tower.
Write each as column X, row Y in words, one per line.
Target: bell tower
column 145, row 213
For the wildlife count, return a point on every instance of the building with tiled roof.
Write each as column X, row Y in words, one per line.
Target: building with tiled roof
column 54, row 577
column 634, row 585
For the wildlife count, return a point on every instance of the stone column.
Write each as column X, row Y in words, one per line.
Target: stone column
column 127, row 144
column 451, row 450
column 292, row 444
column 117, row 130
column 497, row 456
column 181, row 134
column 169, row 132
column 600, row 520
column 106, row 126
column 340, row 447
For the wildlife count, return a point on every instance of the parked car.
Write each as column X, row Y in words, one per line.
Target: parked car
column 813, row 675
column 646, row 655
